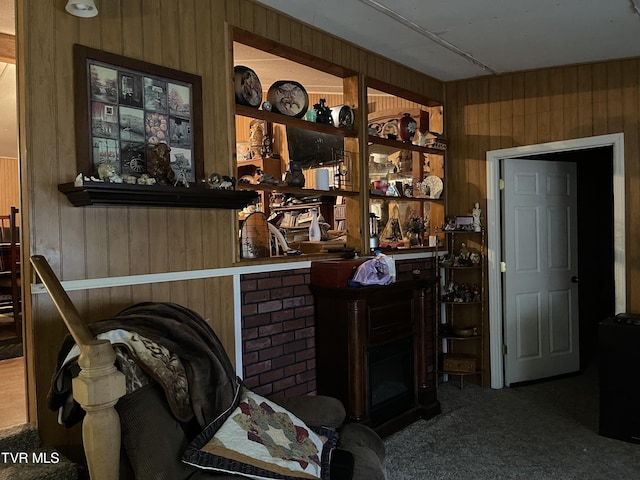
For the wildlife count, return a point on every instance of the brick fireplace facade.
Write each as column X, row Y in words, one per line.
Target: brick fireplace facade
column 278, row 328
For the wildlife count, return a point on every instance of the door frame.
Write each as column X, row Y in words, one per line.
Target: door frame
column 494, row 231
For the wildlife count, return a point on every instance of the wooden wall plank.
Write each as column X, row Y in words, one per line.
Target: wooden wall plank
column 585, row 101
column 10, row 186
column 543, row 117
column 600, row 113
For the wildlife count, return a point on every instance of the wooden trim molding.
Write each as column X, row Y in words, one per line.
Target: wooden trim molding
column 7, row 48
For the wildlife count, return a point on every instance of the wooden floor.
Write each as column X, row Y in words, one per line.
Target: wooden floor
column 13, row 410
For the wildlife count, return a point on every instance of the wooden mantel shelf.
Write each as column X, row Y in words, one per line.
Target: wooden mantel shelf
column 118, row 194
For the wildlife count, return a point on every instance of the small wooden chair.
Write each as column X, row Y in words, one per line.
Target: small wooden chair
column 10, row 280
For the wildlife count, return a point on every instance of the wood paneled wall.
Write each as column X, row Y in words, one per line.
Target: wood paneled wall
column 9, row 185
column 541, row 106
column 80, row 243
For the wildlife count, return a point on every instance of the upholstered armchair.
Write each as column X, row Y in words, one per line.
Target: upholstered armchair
column 183, row 413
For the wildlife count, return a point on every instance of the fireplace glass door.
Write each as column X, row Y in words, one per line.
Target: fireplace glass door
column 391, row 380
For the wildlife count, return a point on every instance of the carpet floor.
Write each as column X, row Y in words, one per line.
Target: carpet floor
column 541, row 431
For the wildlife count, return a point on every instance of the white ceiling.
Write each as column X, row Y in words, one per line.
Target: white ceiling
column 447, row 39
column 456, row 39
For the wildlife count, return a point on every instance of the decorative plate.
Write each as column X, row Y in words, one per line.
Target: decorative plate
column 247, row 85
column 390, row 130
column 432, row 186
column 288, row 98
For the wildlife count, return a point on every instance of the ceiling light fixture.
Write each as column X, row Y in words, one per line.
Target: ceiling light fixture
column 82, row 8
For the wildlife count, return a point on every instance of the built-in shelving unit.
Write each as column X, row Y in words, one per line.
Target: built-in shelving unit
column 403, row 173
column 285, row 132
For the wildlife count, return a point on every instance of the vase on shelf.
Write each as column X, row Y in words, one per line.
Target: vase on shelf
column 315, row 234
column 415, row 239
column 407, row 127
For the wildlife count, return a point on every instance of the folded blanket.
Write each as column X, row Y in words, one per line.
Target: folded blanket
column 212, row 383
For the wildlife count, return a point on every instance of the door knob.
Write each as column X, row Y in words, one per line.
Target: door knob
column 575, row 279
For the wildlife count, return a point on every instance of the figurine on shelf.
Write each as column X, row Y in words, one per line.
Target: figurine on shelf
column 256, row 138
column 476, row 218
column 159, row 164
column 396, row 233
column 294, row 177
column 448, row 292
column 107, row 173
column 476, row 293
column 266, row 178
column 323, row 113
column 221, row 182
column 463, row 258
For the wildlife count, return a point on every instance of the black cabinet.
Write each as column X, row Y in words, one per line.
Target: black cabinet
column 619, row 345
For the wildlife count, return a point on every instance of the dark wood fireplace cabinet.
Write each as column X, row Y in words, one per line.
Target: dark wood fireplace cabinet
column 375, row 352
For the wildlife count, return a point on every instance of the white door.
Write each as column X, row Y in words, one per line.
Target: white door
column 541, row 253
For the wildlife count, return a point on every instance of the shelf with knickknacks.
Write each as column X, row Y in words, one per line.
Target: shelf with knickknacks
column 164, row 183
column 462, row 298
column 312, row 160
column 405, row 168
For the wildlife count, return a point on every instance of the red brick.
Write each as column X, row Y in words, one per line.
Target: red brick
column 294, row 324
column 281, row 316
column 293, row 280
column 269, row 283
column 284, row 384
column 305, row 355
column 305, row 333
column 281, row 292
column 269, row 330
column 249, row 309
column 264, row 390
column 305, row 376
column 297, row 390
column 293, row 302
column 281, row 273
column 282, row 338
column 251, row 382
column 256, row 321
column 295, row 369
column 296, row 346
column 272, row 352
column 257, row 368
column 257, row 296
column 249, row 358
column 307, row 311
column 271, row 306
column 254, row 276
column 248, row 285
column 283, row 361
column 257, row 344
column 249, row 333
column 302, row 290
column 271, row 376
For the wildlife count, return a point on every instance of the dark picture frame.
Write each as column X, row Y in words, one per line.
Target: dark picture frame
column 123, row 107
